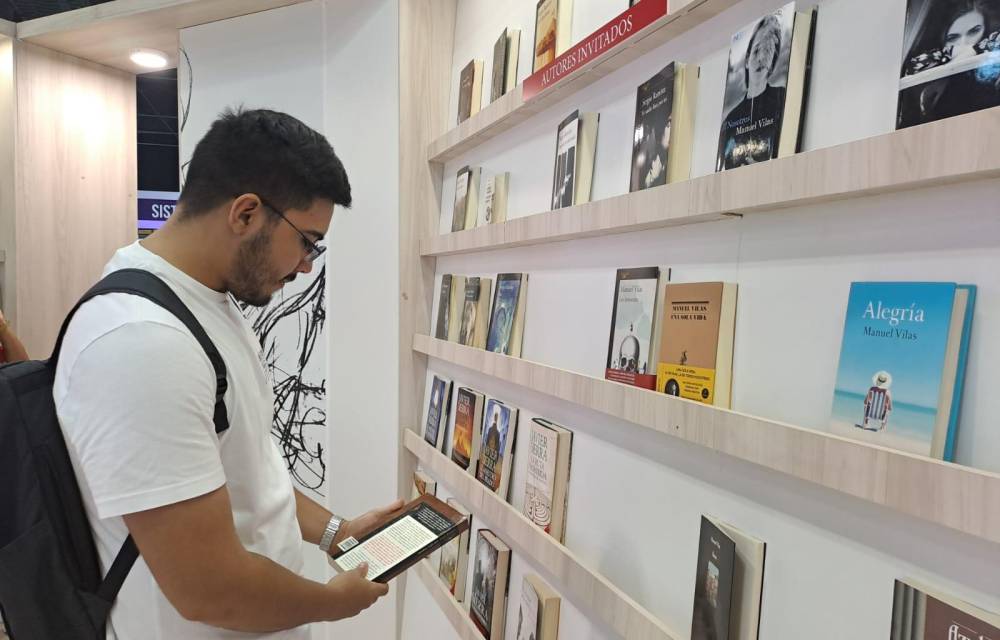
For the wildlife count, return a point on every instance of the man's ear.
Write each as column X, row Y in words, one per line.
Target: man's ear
column 245, row 213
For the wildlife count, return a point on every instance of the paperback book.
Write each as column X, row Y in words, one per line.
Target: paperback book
column 423, row 484
column 902, row 365
column 538, row 611
column 470, row 90
column 748, row 582
column 713, row 584
column 466, row 199
column 495, row 199
column 437, row 411
column 507, row 319
column 505, row 55
column 922, row 613
column 455, row 556
column 455, row 307
column 496, row 452
column 467, row 436
column 444, row 303
column 546, row 486
column 475, row 312
column 664, row 127
column 553, row 21
column 633, row 314
column 576, row 146
column 488, row 603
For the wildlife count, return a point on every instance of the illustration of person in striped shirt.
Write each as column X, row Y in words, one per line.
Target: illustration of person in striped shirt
column 878, row 402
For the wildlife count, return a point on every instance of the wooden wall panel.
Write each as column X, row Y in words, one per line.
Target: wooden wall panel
column 8, row 299
column 75, row 182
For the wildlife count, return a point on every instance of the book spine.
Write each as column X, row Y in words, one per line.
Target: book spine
column 963, row 356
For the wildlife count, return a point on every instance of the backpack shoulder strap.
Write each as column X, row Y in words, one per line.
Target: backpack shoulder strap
column 147, row 285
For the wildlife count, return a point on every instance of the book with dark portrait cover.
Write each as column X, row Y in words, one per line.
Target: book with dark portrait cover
column 696, row 342
column 713, row 584
column 454, row 562
column 466, row 199
column 438, row 404
column 488, row 603
column 475, row 312
column 400, row 539
column 576, row 146
column 766, row 82
column 467, row 434
column 470, row 90
column 538, row 611
column 663, row 135
column 444, row 303
column 546, row 487
column 920, row 612
column 505, row 54
column 553, row 21
column 631, row 349
column 507, row 318
column 951, row 60
column 748, row 582
column 496, row 449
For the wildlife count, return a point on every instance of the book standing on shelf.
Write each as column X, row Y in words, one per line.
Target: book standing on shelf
column 538, row 611
column 922, row 613
column 444, row 304
column 505, row 54
column 455, row 556
column 748, row 582
column 663, row 136
column 713, row 584
column 495, row 200
column 633, row 315
column 546, row 487
column 470, row 90
column 455, row 307
column 423, row 484
column 488, row 604
column 553, row 21
column 496, row 451
column 507, row 318
column 902, row 365
column 766, row 83
column 437, row 411
column 467, row 434
column 576, row 146
column 475, row 312
column 466, row 199
column 696, row 342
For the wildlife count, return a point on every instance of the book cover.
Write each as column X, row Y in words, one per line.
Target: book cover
column 466, row 434
column 470, row 83
column 444, row 302
column 423, row 484
column 654, row 105
column 513, row 54
column 951, row 60
column 455, row 556
column 547, row 480
column 497, row 446
column 499, row 77
column 437, row 411
column 630, row 358
column 461, row 199
column 455, row 306
column 756, row 84
column 713, row 584
column 538, row 611
column 564, row 173
column 507, row 308
column 546, row 26
column 696, row 342
column 921, row 613
column 474, row 312
column 892, row 382
column 495, row 200
column 748, row 582
column 489, row 585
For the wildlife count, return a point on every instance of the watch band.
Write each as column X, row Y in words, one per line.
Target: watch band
column 332, row 527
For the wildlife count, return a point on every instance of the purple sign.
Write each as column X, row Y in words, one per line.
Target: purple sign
column 155, row 208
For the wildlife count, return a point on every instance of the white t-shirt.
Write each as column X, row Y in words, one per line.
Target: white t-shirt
column 135, row 392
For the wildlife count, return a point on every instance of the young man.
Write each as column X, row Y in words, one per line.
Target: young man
column 217, row 522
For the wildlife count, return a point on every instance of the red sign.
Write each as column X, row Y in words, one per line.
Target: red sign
column 611, row 35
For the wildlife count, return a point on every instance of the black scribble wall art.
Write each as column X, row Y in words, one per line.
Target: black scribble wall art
column 290, row 330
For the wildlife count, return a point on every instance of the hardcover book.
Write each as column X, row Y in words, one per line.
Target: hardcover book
column 696, row 342
column 664, row 122
column 507, row 319
column 437, row 411
column 400, row 539
column 466, row 199
column 547, row 483
column 467, row 435
column 765, row 87
column 496, row 451
column 470, row 90
column 444, row 303
column 902, row 365
column 475, row 312
column 922, row 613
column 488, row 603
column 495, row 200
column 538, row 611
column 630, row 348
column 576, row 145
column 423, row 484
column 455, row 556
column 455, row 307
column 505, row 54
column 552, row 30
column 713, row 584
column 951, row 60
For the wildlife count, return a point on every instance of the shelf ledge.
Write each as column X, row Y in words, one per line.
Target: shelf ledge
column 452, row 609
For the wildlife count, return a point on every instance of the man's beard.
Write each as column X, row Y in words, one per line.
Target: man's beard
column 252, row 279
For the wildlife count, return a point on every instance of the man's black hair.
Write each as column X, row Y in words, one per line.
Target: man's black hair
column 267, row 153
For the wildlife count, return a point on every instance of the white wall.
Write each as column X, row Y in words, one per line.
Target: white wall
column 636, row 498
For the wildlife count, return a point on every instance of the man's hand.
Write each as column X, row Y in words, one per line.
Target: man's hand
column 353, row 592
column 364, row 522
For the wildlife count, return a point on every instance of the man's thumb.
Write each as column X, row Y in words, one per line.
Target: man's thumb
column 362, row 569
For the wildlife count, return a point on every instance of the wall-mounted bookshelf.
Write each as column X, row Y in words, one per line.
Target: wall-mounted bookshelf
column 511, row 110
column 910, row 484
column 959, row 149
column 589, row 590
column 452, row 609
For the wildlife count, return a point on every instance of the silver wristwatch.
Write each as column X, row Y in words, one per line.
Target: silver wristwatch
column 332, row 527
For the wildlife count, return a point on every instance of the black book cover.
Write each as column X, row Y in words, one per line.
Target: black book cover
column 465, row 82
column 654, row 104
column 499, row 67
column 564, row 173
column 437, row 411
column 444, row 298
column 714, row 584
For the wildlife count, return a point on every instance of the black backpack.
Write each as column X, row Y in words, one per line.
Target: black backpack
column 50, row 574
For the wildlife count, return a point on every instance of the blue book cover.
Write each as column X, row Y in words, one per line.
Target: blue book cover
column 508, row 290
column 891, row 362
column 495, row 448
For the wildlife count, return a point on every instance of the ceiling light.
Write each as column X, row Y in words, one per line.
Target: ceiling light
column 149, row 58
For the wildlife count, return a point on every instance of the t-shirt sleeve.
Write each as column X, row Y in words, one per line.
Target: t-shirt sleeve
column 137, row 418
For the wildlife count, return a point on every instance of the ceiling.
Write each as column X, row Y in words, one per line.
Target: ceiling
column 20, row 10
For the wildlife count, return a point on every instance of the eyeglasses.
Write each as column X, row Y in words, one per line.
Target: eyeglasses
column 313, row 250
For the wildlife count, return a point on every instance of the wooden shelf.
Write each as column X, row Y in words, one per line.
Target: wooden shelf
column 589, row 590
column 106, row 33
column 453, row 610
column 511, row 109
column 954, row 150
column 957, row 497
